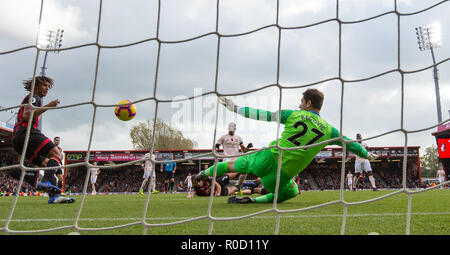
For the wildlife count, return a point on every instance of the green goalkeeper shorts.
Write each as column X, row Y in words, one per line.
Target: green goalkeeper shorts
column 263, row 165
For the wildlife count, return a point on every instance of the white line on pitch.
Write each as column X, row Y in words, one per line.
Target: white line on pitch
column 256, row 217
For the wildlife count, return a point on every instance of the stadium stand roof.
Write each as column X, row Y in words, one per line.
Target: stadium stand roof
column 6, row 130
column 443, row 131
column 443, row 143
column 199, row 154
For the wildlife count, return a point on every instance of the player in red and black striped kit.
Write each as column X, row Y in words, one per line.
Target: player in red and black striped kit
column 40, row 150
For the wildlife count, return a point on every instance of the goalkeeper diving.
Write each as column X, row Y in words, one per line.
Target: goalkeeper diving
column 303, row 127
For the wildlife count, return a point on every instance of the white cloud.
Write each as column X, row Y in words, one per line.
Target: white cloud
column 67, row 17
column 20, row 19
column 295, row 8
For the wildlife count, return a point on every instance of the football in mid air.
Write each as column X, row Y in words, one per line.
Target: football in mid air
column 126, row 111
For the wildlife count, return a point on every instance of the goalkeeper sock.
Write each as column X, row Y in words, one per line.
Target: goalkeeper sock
column 265, row 199
column 221, row 169
column 269, row 198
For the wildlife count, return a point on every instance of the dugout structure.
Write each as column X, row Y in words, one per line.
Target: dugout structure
column 6, row 130
column 388, row 163
column 443, row 143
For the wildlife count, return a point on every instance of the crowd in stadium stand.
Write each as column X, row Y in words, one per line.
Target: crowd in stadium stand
column 9, row 179
column 317, row 176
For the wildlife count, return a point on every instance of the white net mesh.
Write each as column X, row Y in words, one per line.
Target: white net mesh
column 281, row 30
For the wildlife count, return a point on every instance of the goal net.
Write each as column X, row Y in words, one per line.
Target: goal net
column 347, row 72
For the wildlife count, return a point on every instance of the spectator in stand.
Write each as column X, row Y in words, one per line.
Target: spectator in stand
column 306, row 184
column 180, row 187
column 9, row 184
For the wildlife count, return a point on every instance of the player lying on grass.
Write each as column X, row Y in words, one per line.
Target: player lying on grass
column 41, row 151
column 203, row 188
column 302, row 128
column 253, row 187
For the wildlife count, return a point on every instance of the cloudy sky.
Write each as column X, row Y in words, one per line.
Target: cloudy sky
column 385, row 79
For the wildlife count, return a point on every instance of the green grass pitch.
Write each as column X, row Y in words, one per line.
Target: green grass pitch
column 388, row 216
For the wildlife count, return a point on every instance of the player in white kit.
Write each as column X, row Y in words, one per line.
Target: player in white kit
column 350, row 180
column 440, row 174
column 148, row 170
column 361, row 165
column 188, row 182
column 231, row 144
column 94, row 174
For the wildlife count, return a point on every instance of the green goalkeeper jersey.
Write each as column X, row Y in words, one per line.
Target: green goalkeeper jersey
column 302, row 128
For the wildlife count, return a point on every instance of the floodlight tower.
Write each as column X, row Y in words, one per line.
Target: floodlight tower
column 428, row 38
column 51, row 40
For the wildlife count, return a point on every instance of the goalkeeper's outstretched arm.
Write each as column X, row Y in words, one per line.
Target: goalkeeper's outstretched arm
column 253, row 113
column 354, row 147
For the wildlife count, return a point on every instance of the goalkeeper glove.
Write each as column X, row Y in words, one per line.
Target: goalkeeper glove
column 250, row 145
column 240, row 200
column 229, row 104
column 217, row 146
